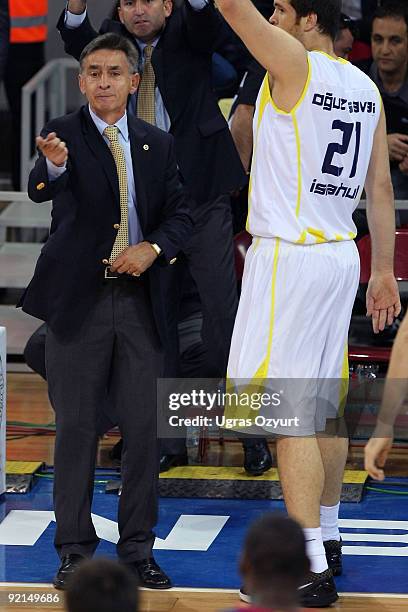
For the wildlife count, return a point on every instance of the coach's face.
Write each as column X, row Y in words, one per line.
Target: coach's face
column 145, row 19
column 389, row 44
column 107, row 80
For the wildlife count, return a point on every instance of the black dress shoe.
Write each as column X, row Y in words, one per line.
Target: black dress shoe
column 319, row 591
column 258, row 458
column 149, row 574
column 69, row 564
column 334, row 556
column 169, row 461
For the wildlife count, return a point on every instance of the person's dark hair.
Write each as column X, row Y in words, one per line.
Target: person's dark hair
column 346, row 23
column 102, row 585
column 114, row 13
column 112, row 42
column 275, row 552
column 327, row 11
column 394, row 9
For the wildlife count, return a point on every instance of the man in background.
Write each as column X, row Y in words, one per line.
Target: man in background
column 344, row 41
column 389, row 71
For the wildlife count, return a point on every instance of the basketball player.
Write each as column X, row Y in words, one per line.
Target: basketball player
column 319, row 138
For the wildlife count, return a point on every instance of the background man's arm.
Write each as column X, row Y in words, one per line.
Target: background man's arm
column 279, row 53
column 203, row 24
column 383, row 302
column 76, row 39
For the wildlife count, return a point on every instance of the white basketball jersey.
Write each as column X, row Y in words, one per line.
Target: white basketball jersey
column 310, row 165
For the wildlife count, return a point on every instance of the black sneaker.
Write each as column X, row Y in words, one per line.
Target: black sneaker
column 319, row 590
column 334, row 556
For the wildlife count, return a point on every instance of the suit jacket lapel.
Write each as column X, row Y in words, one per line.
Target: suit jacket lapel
column 142, row 162
column 102, row 152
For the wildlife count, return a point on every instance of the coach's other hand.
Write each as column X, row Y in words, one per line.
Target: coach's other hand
column 135, row 259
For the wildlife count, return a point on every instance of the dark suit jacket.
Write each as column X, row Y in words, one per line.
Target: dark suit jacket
column 86, row 206
column 205, row 151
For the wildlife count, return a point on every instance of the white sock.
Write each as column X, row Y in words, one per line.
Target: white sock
column 329, row 521
column 315, row 550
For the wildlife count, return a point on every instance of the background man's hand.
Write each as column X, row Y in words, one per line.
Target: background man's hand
column 135, row 259
column 375, row 456
column 53, row 149
column 383, row 300
column 397, row 146
column 77, row 6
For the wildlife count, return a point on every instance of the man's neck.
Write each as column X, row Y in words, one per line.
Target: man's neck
column 317, row 42
column 393, row 81
column 110, row 117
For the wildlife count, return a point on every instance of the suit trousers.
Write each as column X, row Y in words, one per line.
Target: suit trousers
column 116, row 350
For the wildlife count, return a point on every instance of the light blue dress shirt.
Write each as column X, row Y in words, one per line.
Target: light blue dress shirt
column 163, row 122
column 135, row 231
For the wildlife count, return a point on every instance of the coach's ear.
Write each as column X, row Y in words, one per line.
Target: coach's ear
column 135, row 83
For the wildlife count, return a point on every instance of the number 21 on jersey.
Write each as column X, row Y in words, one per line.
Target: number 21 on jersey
column 342, row 148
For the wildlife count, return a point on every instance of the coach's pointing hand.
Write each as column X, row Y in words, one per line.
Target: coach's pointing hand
column 53, row 148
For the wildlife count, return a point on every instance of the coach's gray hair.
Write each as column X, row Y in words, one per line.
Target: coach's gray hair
column 112, row 42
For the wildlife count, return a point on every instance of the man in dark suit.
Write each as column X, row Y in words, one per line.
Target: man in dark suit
column 119, row 215
column 175, row 50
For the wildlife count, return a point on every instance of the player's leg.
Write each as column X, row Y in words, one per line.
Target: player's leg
column 280, row 333
column 333, row 442
column 301, row 474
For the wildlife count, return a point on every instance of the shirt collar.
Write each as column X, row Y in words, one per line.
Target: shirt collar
column 375, row 76
column 122, row 124
column 142, row 44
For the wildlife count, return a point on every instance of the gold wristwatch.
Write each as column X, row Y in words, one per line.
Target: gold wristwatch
column 156, row 248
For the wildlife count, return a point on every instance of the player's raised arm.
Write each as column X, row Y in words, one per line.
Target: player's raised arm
column 280, row 53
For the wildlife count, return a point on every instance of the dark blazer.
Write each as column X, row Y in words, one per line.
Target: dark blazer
column 205, row 151
column 86, row 206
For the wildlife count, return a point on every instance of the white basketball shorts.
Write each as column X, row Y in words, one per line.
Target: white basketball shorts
column 293, row 321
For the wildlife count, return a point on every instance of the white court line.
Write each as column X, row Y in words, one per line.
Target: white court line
column 203, row 590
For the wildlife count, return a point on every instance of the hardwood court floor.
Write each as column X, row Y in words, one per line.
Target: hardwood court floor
column 28, row 402
column 205, row 601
